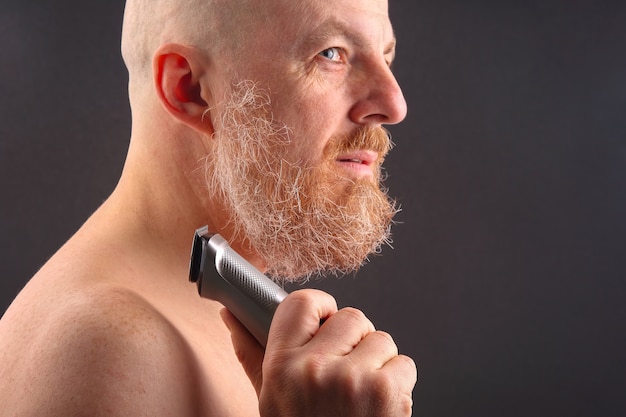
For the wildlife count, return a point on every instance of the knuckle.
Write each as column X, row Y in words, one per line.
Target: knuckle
column 349, row 382
column 409, row 364
column 383, row 385
column 309, row 299
column 348, row 379
column 313, row 368
column 352, row 314
column 384, row 337
column 381, row 395
column 302, row 296
column 384, row 343
column 406, row 405
column 388, row 397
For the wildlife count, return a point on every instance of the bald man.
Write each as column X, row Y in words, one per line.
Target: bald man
column 262, row 120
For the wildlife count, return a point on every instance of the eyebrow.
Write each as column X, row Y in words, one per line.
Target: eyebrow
column 335, row 27
column 390, row 49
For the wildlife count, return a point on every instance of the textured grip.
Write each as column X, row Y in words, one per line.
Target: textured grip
column 236, row 270
column 225, row 276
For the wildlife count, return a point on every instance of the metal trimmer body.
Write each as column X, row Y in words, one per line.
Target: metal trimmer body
column 225, row 276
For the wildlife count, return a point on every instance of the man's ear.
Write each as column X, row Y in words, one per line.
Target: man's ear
column 178, row 77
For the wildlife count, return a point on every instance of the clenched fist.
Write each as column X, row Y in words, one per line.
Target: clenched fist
column 345, row 367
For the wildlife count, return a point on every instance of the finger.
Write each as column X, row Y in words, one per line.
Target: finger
column 248, row 350
column 404, row 371
column 376, row 349
column 297, row 318
column 342, row 331
column 391, row 387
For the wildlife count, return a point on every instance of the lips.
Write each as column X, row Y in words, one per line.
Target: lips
column 358, row 164
column 359, row 157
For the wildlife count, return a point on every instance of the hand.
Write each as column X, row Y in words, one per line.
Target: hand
column 343, row 368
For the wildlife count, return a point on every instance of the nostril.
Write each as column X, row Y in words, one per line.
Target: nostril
column 384, row 103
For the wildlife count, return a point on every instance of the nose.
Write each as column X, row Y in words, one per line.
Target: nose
column 380, row 99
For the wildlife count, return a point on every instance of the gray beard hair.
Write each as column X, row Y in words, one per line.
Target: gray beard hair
column 300, row 220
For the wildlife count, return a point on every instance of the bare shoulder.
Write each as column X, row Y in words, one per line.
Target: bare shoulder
column 100, row 351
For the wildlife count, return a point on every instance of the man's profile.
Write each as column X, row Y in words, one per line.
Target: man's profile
column 262, row 120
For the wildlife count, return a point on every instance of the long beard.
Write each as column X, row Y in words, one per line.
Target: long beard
column 299, row 218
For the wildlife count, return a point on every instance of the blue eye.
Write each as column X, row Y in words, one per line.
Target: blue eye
column 331, row 54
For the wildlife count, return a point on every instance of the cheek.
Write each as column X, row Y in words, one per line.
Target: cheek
column 311, row 124
column 306, row 149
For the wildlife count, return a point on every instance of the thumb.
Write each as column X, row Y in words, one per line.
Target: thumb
column 248, row 350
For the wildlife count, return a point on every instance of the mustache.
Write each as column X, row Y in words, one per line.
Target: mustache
column 376, row 139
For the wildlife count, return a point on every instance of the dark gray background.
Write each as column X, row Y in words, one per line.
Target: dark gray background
column 506, row 283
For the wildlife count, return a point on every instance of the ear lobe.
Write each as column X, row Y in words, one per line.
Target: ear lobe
column 177, row 78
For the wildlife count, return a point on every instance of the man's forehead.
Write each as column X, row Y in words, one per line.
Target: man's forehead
column 380, row 5
column 301, row 26
column 343, row 16
column 362, row 39
column 313, row 8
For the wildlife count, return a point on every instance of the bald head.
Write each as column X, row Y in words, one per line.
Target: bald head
column 212, row 26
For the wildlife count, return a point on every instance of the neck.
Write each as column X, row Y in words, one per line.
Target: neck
column 157, row 197
column 162, row 198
